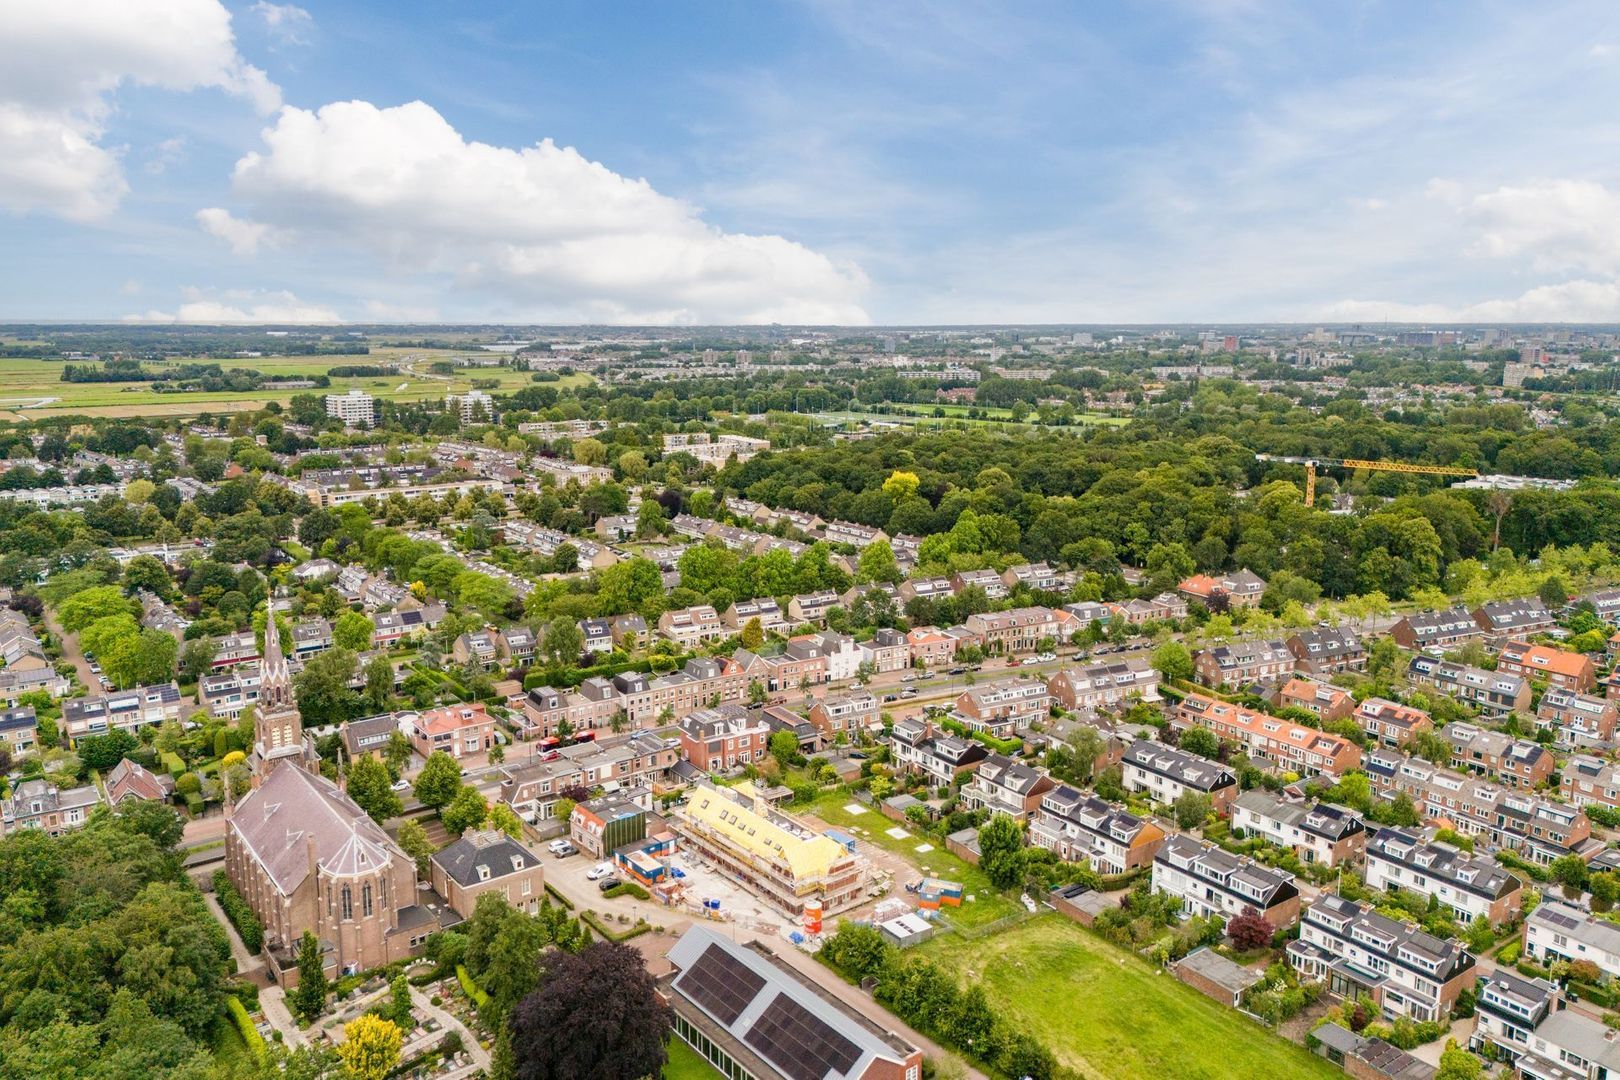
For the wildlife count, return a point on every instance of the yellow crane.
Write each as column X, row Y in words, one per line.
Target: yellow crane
column 1312, row 464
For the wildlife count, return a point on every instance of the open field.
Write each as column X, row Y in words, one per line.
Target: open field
column 1107, row 1013
column 996, row 412
column 30, row 389
column 872, row 827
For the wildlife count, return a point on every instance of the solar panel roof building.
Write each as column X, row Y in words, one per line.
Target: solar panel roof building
column 749, row 1013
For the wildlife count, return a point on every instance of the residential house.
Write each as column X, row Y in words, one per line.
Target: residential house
column 848, row 712
column 1389, row 723
column 629, row 631
column 487, row 861
column 1509, row 1007
column 1466, row 885
column 40, row 804
column 477, row 647
column 369, row 736
column 1327, row 649
column 1517, row 763
column 19, row 730
column 1590, row 781
column 1559, row 667
column 1209, row 881
column 930, row 646
column 532, row 788
column 1077, row 826
column 1323, row 833
column 811, row 607
column 1318, row 698
column 1560, row 931
column 766, row 610
column 1435, row 629
column 458, row 730
column 235, row 648
column 987, row 580
column 1005, row 786
column 600, row 826
column 597, row 635
column 1037, row 576
column 915, row 746
column 1166, row 773
column 1001, row 708
column 131, row 780
column 1306, row 750
column 1577, row 719
column 1356, row 951
column 121, row 710
column 725, row 738
column 886, row 650
column 1503, row 620
column 1018, row 630
column 692, row 627
column 311, row 637
column 1243, row 662
column 928, row 588
column 1241, row 589
column 517, row 645
column 229, row 693
column 1104, row 685
column 1495, row 693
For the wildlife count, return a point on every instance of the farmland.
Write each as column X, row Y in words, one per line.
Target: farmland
column 32, row 389
column 1106, row 1012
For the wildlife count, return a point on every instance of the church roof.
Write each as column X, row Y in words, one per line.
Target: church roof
column 278, row 821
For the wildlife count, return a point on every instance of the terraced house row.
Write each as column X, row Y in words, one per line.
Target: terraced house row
column 1287, row 745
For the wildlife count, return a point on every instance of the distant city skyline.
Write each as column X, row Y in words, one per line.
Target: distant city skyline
column 826, row 162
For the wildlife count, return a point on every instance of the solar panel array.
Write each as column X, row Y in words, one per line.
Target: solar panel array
column 721, row 984
column 799, row 1043
column 1559, row 919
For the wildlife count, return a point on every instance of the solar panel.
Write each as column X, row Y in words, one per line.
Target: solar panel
column 799, row 1043
column 720, row 984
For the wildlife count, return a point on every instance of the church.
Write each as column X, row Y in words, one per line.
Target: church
column 305, row 857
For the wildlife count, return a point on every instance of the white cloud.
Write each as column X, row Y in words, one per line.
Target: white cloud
column 63, row 60
column 563, row 237
column 1557, row 224
column 244, row 237
column 170, row 151
column 289, row 23
column 240, row 306
column 1568, row 302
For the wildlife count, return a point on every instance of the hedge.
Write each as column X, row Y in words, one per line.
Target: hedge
column 236, row 909
column 244, row 1026
column 479, row 998
column 591, row 919
column 172, row 764
column 626, row 888
column 559, row 897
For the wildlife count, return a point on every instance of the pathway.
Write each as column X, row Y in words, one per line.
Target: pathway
column 447, row 1021
column 71, row 651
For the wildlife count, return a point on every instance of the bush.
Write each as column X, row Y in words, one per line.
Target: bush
column 244, row 1026
column 627, row 888
column 236, row 909
column 479, row 998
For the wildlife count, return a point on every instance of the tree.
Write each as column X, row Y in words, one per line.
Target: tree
column 1000, row 840
column 466, row 811
column 568, row 1029
column 650, row 519
column 563, row 642
column 87, row 605
column 141, row 659
column 753, row 634
column 197, row 659
column 413, row 840
column 439, row 781
column 900, row 485
column 1455, row 1062
column 370, row 1047
column 370, row 785
column 756, row 692
column 877, row 563
column 102, row 752
column 1250, row 930
column 308, row 999
column 379, row 673
column 505, row 819
column 397, row 754
column 1201, row 741
column 352, row 631
column 324, row 694
column 399, row 1002
column 784, row 745
column 1173, row 662
column 1192, row 809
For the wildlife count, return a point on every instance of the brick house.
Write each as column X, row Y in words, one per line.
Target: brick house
column 487, row 861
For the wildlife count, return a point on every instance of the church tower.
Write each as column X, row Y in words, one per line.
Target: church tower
column 278, row 729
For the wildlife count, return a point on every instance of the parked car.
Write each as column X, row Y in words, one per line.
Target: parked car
column 607, row 883
column 559, row 847
column 957, row 671
column 600, row 870
column 401, row 784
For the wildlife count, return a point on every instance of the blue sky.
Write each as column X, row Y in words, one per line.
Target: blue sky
column 820, row 161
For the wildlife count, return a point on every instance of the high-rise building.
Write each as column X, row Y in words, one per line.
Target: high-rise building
column 356, row 408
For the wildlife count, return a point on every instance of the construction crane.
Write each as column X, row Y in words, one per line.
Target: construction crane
column 1312, row 464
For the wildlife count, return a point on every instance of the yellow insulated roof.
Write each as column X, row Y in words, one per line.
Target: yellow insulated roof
column 806, row 856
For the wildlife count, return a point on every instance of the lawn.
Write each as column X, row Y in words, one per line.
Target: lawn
column 1105, row 1012
column 686, row 1063
column 872, row 828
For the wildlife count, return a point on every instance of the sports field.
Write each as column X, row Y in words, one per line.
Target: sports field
column 1106, row 1013
column 31, row 389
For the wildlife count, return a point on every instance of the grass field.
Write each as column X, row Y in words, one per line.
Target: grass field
column 686, row 1063
column 871, row 827
column 1106, row 1013
column 25, row 384
column 996, row 412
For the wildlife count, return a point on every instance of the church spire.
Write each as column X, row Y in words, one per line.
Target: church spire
column 278, row 729
column 275, row 686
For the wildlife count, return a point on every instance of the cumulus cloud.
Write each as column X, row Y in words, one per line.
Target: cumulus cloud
column 64, row 59
column 1570, row 301
column 288, row 23
column 1556, row 224
column 560, row 236
column 244, row 237
column 240, row 306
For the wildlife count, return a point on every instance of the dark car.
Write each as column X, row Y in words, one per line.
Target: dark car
column 607, row 883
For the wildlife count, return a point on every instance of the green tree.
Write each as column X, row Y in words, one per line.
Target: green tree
column 141, row 659
column 352, row 631
column 563, row 641
column 370, row 786
column 324, row 694
column 1201, row 741
column 413, row 840
column 439, row 780
column 752, row 635
column 1173, row 662
column 399, row 1002
column 1458, row 1064
column 379, row 693
column 783, row 746
column 466, row 811
column 1192, row 809
column 87, row 605
column 1000, row 840
column 877, row 563
column 308, row 999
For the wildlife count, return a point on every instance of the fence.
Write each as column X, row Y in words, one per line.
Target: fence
column 974, row 933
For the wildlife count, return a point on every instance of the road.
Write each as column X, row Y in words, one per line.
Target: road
column 71, row 651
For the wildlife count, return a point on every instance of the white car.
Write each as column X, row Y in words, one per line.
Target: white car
column 1031, row 661
column 401, row 785
column 1046, row 657
column 556, row 847
column 600, row 870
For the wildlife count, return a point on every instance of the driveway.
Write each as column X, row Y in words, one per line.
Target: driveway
column 71, row 651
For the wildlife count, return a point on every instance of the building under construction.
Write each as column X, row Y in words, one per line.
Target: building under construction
column 782, row 861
